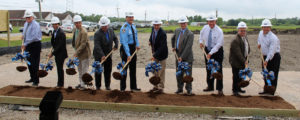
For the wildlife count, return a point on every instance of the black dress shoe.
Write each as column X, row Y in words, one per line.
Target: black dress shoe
column 236, row 94
column 220, row 93
column 136, row 90
column 179, row 92
column 29, row 81
column 107, row 88
column 262, row 93
column 242, row 91
column 189, row 93
column 208, row 89
column 35, row 84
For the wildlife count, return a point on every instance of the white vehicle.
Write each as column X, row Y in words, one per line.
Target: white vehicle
column 67, row 27
column 46, row 28
column 89, row 26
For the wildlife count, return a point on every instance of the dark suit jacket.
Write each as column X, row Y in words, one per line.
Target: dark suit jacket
column 160, row 50
column 186, row 52
column 237, row 57
column 59, row 44
column 101, row 46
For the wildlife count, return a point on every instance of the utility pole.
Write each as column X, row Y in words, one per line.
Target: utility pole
column 168, row 18
column 118, row 12
column 40, row 8
column 145, row 16
column 216, row 13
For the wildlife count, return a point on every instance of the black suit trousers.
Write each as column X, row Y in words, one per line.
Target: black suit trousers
column 132, row 68
column 218, row 56
column 60, row 70
column 107, row 74
column 34, row 50
column 274, row 65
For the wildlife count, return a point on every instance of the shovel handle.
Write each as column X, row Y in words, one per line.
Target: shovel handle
column 262, row 58
column 247, row 60
column 107, row 56
column 48, row 56
column 176, row 56
column 204, row 53
column 128, row 61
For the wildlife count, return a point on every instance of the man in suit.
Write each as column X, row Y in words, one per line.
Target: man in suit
column 81, row 45
column 103, row 44
column 269, row 44
column 158, row 43
column 182, row 43
column 129, row 43
column 212, row 36
column 58, row 42
column 32, row 36
column 239, row 51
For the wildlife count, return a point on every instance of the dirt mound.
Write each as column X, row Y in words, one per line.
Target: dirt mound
column 270, row 102
column 119, row 95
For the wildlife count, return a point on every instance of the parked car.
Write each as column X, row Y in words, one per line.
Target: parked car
column 67, row 27
column 89, row 26
column 116, row 25
column 46, row 28
column 21, row 29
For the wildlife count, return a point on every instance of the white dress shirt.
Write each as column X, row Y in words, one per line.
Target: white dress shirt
column 270, row 44
column 246, row 46
column 217, row 38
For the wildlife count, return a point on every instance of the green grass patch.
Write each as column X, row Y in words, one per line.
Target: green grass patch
column 4, row 43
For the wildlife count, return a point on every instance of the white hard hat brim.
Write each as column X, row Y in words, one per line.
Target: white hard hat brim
column 266, row 25
column 156, row 23
column 211, row 19
column 182, row 21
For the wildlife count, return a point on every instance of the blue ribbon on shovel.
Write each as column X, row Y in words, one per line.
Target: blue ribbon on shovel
column 21, row 56
column 183, row 67
column 72, row 62
column 152, row 67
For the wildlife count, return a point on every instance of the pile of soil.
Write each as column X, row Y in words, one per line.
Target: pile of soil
column 270, row 102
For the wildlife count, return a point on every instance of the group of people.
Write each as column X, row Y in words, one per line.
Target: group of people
column 211, row 41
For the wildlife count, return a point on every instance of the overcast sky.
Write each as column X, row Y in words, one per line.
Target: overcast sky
column 162, row 8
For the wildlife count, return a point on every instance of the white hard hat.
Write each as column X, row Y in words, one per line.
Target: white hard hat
column 55, row 20
column 266, row 23
column 156, row 21
column 183, row 19
column 104, row 21
column 211, row 18
column 241, row 25
column 129, row 14
column 28, row 13
column 77, row 18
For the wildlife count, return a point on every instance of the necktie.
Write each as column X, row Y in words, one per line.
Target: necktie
column 180, row 40
column 107, row 36
column 153, row 40
column 133, row 34
column 209, row 40
column 26, row 31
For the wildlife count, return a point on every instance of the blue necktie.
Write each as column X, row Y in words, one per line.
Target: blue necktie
column 209, row 40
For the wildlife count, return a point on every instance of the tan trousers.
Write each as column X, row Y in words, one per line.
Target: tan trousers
column 161, row 74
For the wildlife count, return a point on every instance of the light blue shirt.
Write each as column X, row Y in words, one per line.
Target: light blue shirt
column 126, row 37
column 33, row 33
column 179, row 37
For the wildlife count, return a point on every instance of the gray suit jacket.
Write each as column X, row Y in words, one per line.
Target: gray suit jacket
column 186, row 51
column 237, row 57
column 101, row 45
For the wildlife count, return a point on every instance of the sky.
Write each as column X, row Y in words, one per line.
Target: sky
column 166, row 9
